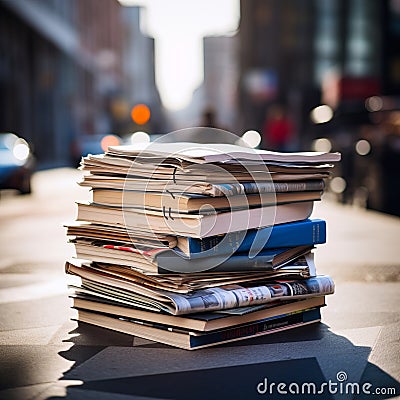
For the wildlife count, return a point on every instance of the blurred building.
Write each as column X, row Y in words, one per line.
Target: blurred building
column 218, row 91
column 276, row 53
column 349, row 56
column 59, row 61
column 139, row 69
column 391, row 47
column 220, row 78
column 344, row 55
column 302, row 53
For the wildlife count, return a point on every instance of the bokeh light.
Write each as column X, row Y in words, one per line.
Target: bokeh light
column 321, row 114
column 374, row 103
column 338, row 185
column 21, row 150
column 252, row 138
column 10, row 140
column 322, row 144
column 119, row 109
column 140, row 137
column 109, row 140
column 140, row 114
column 363, row 147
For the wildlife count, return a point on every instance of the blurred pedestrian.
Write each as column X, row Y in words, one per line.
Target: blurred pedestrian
column 209, row 118
column 277, row 129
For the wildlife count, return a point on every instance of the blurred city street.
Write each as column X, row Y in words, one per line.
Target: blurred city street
column 78, row 76
column 45, row 355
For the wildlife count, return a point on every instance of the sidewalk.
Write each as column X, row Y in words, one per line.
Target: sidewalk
column 44, row 355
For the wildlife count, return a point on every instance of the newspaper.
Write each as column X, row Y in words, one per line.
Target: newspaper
column 186, row 283
column 233, row 296
column 210, row 299
column 213, row 152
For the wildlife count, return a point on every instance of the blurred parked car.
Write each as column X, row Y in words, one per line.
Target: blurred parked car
column 16, row 163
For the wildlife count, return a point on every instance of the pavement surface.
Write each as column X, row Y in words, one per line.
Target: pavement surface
column 45, row 355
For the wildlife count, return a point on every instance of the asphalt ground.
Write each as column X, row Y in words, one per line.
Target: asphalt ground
column 45, row 355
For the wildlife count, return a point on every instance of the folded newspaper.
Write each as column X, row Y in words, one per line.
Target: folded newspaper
column 178, row 152
column 301, row 268
column 216, row 298
column 102, row 163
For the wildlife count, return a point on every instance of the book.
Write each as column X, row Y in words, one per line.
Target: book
column 190, row 203
column 189, row 340
column 300, row 233
column 202, row 322
column 164, row 261
column 265, row 260
column 194, row 225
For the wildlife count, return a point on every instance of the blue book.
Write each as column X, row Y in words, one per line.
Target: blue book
column 265, row 260
column 308, row 232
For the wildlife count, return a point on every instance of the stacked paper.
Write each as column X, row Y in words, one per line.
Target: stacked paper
column 185, row 243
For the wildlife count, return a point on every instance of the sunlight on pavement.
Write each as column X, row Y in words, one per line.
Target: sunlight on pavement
column 33, row 291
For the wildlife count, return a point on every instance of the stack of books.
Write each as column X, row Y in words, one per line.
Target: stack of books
column 196, row 245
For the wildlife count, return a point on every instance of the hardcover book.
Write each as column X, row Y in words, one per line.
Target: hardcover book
column 164, row 260
column 301, row 233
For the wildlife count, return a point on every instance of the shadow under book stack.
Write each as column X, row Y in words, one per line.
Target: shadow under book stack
column 196, row 245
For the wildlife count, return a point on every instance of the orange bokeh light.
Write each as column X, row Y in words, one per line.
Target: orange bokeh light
column 109, row 140
column 140, row 114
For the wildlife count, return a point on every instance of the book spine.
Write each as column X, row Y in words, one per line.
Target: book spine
column 234, row 189
column 255, row 329
column 306, row 186
column 302, row 233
